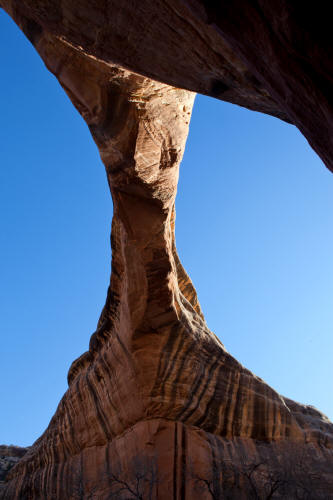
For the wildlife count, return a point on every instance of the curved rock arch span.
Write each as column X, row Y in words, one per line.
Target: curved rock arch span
column 157, row 390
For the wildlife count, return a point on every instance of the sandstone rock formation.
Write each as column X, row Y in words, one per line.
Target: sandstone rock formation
column 157, row 408
column 274, row 57
column 9, row 456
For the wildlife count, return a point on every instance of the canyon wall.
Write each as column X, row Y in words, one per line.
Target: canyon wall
column 157, row 408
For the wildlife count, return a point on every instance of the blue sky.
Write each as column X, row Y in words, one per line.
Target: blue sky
column 254, row 231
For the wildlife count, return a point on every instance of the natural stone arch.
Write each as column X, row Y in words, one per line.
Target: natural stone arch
column 274, row 58
column 155, row 380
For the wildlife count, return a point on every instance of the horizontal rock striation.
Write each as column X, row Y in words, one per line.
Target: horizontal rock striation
column 157, row 408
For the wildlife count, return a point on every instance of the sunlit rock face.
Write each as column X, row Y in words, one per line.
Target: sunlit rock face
column 156, row 408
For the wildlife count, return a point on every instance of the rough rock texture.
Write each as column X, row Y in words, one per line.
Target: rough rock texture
column 157, row 408
column 9, row 456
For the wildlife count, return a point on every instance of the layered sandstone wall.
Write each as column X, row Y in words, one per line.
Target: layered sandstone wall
column 157, row 408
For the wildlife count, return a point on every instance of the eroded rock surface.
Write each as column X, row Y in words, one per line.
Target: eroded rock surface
column 157, row 408
column 9, row 456
column 274, row 57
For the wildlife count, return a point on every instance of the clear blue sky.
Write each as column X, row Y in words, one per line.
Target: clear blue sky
column 254, row 231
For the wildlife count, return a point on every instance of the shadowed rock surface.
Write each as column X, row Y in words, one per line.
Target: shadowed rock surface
column 9, row 456
column 274, row 57
column 157, row 408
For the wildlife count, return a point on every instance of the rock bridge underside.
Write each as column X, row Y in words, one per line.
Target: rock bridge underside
column 157, row 408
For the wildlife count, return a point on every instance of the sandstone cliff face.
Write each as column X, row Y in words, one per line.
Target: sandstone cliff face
column 157, row 408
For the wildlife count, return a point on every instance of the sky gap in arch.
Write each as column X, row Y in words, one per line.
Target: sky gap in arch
column 254, row 212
